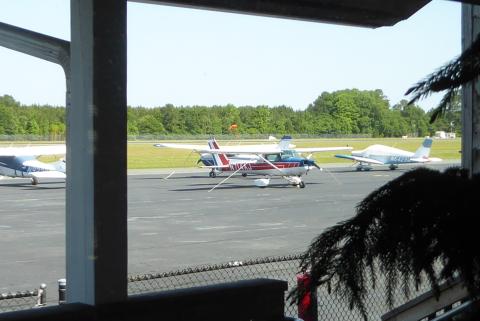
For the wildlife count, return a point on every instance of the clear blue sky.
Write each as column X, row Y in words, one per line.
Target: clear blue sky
column 195, row 57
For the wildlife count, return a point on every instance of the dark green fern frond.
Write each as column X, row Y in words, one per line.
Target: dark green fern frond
column 401, row 231
column 449, row 77
column 445, row 104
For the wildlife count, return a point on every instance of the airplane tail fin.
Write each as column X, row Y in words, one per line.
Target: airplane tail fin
column 424, row 150
column 219, row 159
column 285, row 142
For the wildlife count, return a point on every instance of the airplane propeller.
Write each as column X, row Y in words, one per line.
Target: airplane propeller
column 310, row 163
column 316, row 165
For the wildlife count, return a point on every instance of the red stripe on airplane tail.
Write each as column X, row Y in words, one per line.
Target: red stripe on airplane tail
column 215, row 145
column 223, row 158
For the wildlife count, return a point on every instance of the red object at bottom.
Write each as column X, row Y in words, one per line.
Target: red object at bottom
column 307, row 303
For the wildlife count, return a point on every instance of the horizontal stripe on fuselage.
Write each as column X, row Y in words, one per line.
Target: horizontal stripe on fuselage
column 261, row 166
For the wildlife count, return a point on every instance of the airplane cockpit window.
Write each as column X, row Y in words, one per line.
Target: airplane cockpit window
column 289, row 153
column 273, row 157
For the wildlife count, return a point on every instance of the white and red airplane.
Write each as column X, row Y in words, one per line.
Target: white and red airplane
column 207, row 158
column 241, row 154
column 286, row 163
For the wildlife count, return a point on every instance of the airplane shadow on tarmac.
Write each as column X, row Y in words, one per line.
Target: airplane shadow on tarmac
column 207, row 187
column 373, row 170
column 173, row 177
column 30, row 187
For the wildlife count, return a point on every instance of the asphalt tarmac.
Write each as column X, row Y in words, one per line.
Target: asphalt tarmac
column 174, row 221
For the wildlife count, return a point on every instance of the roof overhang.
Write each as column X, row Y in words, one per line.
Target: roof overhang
column 362, row 13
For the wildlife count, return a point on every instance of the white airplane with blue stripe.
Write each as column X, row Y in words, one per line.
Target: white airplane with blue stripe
column 386, row 155
column 23, row 162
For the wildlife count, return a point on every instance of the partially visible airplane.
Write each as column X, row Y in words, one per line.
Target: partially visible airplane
column 385, row 155
column 274, row 162
column 23, row 162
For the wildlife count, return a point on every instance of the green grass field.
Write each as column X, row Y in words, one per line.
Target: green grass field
column 143, row 154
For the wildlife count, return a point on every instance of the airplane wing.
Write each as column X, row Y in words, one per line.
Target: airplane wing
column 360, row 159
column 426, row 160
column 269, row 150
column 182, row 146
column 238, row 149
column 33, row 150
column 49, row 174
column 321, row 149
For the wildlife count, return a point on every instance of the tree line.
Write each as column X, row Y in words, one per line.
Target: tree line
column 342, row 112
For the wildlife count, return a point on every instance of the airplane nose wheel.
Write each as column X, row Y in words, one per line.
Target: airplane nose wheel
column 212, row 174
column 301, row 184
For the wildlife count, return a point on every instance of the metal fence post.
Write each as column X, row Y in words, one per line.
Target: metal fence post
column 62, row 288
column 42, row 295
column 307, row 303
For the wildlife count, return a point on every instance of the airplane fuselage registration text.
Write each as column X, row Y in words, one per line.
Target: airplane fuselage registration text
column 399, row 159
column 246, row 166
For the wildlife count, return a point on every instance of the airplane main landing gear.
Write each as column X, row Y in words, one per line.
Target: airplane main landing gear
column 34, row 181
column 295, row 181
column 244, row 174
column 363, row 168
column 212, row 174
column 393, row 166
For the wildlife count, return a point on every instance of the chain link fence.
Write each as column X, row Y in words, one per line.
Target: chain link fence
column 243, row 136
column 279, row 267
column 146, row 137
column 331, row 306
column 21, row 300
